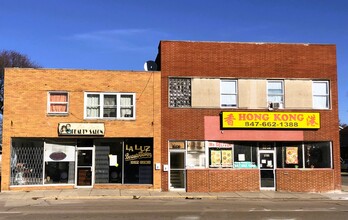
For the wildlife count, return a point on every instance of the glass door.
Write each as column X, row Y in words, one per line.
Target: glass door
column 177, row 175
column 267, row 170
column 84, row 167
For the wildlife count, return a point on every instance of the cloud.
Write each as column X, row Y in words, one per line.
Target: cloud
column 122, row 39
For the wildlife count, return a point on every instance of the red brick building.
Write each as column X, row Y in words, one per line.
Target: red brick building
column 249, row 116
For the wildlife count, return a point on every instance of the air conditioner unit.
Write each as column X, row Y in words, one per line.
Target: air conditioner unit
column 275, row 105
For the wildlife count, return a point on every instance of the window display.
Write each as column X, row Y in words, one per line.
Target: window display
column 195, row 154
column 245, row 155
column 317, row 155
column 220, row 154
column 26, row 162
column 59, row 162
column 124, row 161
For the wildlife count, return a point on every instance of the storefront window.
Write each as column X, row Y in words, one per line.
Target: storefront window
column 220, row 154
column 195, row 154
column 59, row 160
column 58, row 172
column 317, row 155
column 138, row 159
column 245, row 155
column 108, row 161
column 128, row 161
column 26, row 162
column 289, row 155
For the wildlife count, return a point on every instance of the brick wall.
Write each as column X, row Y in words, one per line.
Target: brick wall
column 25, row 106
column 246, row 60
column 299, row 180
column 223, row 180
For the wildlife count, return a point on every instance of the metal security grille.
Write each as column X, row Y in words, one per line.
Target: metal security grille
column 27, row 163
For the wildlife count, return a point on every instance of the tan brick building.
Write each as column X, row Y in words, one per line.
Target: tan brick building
column 249, row 116
column 80, row 128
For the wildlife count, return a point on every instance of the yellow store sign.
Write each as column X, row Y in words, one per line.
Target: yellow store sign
column 270, row 120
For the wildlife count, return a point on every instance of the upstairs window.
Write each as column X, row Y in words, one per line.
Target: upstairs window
column 110, row 105
column 275, row 91
column 179, row 92
column 320, row 91
column 228, row 93
column 58, row 102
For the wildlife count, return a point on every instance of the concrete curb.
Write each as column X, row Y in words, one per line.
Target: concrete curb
column 183, row 197
column 95, row 194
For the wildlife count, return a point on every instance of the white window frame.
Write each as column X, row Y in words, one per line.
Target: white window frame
column 235, row 93
column 49, row 103
column 118, row 105
column 327, row 95
column 280, row 94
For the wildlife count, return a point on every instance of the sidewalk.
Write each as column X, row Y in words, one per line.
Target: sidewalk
column 74, row 194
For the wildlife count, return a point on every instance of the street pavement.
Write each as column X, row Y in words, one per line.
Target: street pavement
column 90, row 193
column 71, row 194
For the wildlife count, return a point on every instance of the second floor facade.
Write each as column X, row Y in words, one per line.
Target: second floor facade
column 37, row 100
column 232, row 93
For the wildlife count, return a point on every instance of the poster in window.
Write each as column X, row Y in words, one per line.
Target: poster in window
column 226, row 156
column 291, row 155
column 215, row 158
column 59, row 152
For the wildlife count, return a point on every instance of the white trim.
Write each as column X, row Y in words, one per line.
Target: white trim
column 118, row 105
column 230, row 94
column 281, row 103
column 49, row 102
column 327, row 95
column 331, row 156
column 274, row 167
column 92, row 167
column 183, row 169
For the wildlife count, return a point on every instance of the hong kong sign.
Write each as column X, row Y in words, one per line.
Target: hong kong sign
column 270, row 120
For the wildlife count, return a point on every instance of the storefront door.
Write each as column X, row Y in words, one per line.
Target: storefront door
column 84, row 167
column 267, row 169
column 177, row 172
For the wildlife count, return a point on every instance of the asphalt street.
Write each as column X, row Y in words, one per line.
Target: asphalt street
column 132, row 204
column 178, row 209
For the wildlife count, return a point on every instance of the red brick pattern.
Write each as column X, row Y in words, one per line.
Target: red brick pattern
column 211, row 180
column 299, row 180
column 246, row 60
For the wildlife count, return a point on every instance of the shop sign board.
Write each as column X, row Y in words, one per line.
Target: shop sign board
column 138, row 154
column 270, row 120
column 84, row 129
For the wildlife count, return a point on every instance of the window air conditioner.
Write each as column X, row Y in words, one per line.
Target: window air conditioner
column 275, row 105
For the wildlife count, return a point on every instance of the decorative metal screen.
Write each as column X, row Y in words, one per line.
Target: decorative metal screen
column 180, row 92
column 27, row 162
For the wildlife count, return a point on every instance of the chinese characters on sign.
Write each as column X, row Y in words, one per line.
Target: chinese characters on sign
column 270, row 120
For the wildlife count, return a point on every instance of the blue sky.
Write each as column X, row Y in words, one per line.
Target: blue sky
column 123, row 34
